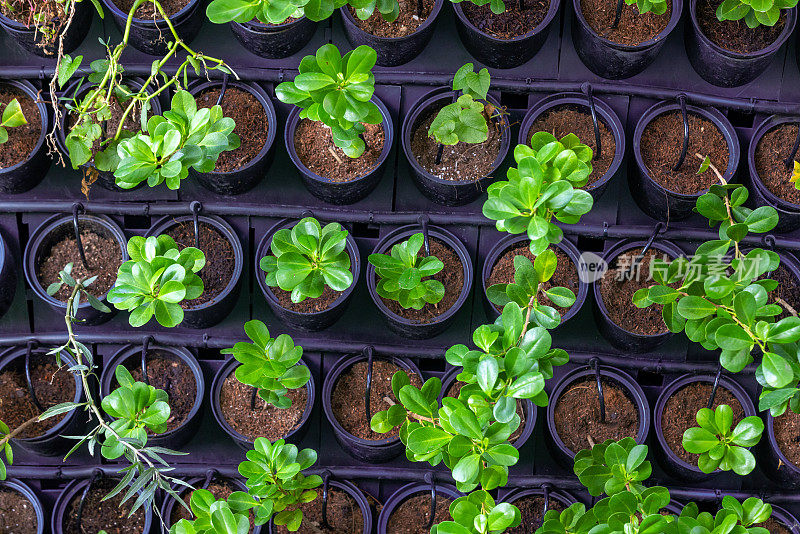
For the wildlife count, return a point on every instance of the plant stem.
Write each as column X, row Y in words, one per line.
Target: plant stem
column 11, row 435
column 726, row 199
column 416, row 416
column 786, row 305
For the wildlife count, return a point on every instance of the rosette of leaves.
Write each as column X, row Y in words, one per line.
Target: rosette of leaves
column 307, row 258
column 182, row 137
column 269, row 364
column 719, row 445
column 275, row 482
column 541, row 187
column 477, row 513
column 156, row 279
column 336, row 91
column 135, row 408
column 754, row 12
column 657, row 7
column 464, row 119
column 213, row 516
column 11, row 117
column 402, row 274
column 734, row 516
column 279, row 11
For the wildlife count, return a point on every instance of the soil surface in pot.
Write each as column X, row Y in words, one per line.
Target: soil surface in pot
column 412, row 515
column 774, row 526
column 347, row 397
column 454, row 390
column 50, row 384
column 632, row 29
column 577, row 414
column 103, row 254
column 266, row 420
column 519, row 18
column 566, row 274
column 321, row 303
column 109, row 127
column 451, row 276
column 17, row 515
column 23, row 11
column 97, row 514
column 406, row 23
column 618, row 285
column 787, row 434
column 221, row 489
column 147, row 11
column 167, row 372
column 570, row 118
column 315, row 148
column 251, row 125
column 462, row 161
column 770, row 152
column 532, row 509
column 220, row 259
column 344, row 515
column 788, row 289
column 681, row 409
column 735, row 35
column 661, row 145
column 21, row 139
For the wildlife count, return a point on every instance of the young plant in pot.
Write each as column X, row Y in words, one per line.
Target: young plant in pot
column 11, row 117
column 24, row 120
column 534, row 503
column 339, row 135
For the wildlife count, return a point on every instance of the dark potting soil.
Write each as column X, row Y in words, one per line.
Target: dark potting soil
column 532, row 509
column 321, row 303
column 774, row 526
column 51, row 384
column 735, row 35
column 169, row 373
column 315, row 148
column 148, row 11
column 451, row 276
column 413, row 515
column 103, row 254
column 251, row 125
column 518, row 19
column 772, row 149
column 566, row 274
column 220, row 260
column 347, row 397
column 343, row 515
column 661, row 145
column 97, row 514
column 17, row 515
column 412, row 14
column 787, row 435
column 577, row 414
column 21, row 139
column 266, row 420
column 455, row 389
column 633, row 28
column 221, row 489
column 462, row 162
column 618, row 285
column 788, row 290
column 681, row 409
column 570, row 118
column 23, row 11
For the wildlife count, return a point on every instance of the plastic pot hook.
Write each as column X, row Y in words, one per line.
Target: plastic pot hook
column 211, row 474
column 30, row 346
column 617, row 15
column 77, row 207
column 595, row 364
column 223, row 89
column 95, row 475
column 368, row 390
column 423, row 221
column 714, row 387
column 684, row 115
column 143, row 360
column 790, row 158
column 431, row 479
column 659, row 228
column 326, row 477
column 196, row 207
column 586, row 88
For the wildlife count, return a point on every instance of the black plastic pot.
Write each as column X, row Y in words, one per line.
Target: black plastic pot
column 352, row 491
column 546, row 492
column 295, row 436
column 51, row 442
column 612, row 60
column 373, row 451
column 783, row 516
column 616, row 335
column 314, row 321
column 23, row 489
column 405, row 327
column 75, row 488
column 26, row 174
column 408, row 491
column 788, row 213
column 153, row 36
column 671, row 462
column 531, row 410
column 176, row 438
column 513, row 241
column 29, row 38
column 504, row 53
column 213, row 311
column 441, row 191
column 392, row 51
column 605, row 114
column 274, row 42
column 250, row 174
column 78, row 89
column 635, row 393
column 8, row 277
column 658, row 201
column 46, row 236
column 323, row 187
column 726, row 68
column 777, row 464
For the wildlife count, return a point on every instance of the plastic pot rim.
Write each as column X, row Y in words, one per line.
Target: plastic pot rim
column 552, row 11
column 181, row 13
column 27, row 88
column 771, row 122
column 222, row 226
column 512, row 495
column 27, row 492
column 351, row 490
column 259, row 27
column 674, row 19
column 773, row 443
column 787, row 518
column 437, row 7
column 404, row 492
column 449, row 239
column 709, row 113
column 264, row 247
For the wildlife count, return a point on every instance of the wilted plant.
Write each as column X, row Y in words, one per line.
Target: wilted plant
column 12, row 117
column 720, row 446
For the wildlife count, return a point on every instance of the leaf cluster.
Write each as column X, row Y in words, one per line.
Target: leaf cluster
column 497, row 6
column 465, row 119
column 216, row 516
column 275, row 12
column 657, row 7
column 754, row 12
column 719, row 445
column 477, row 513
column 11, row 117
